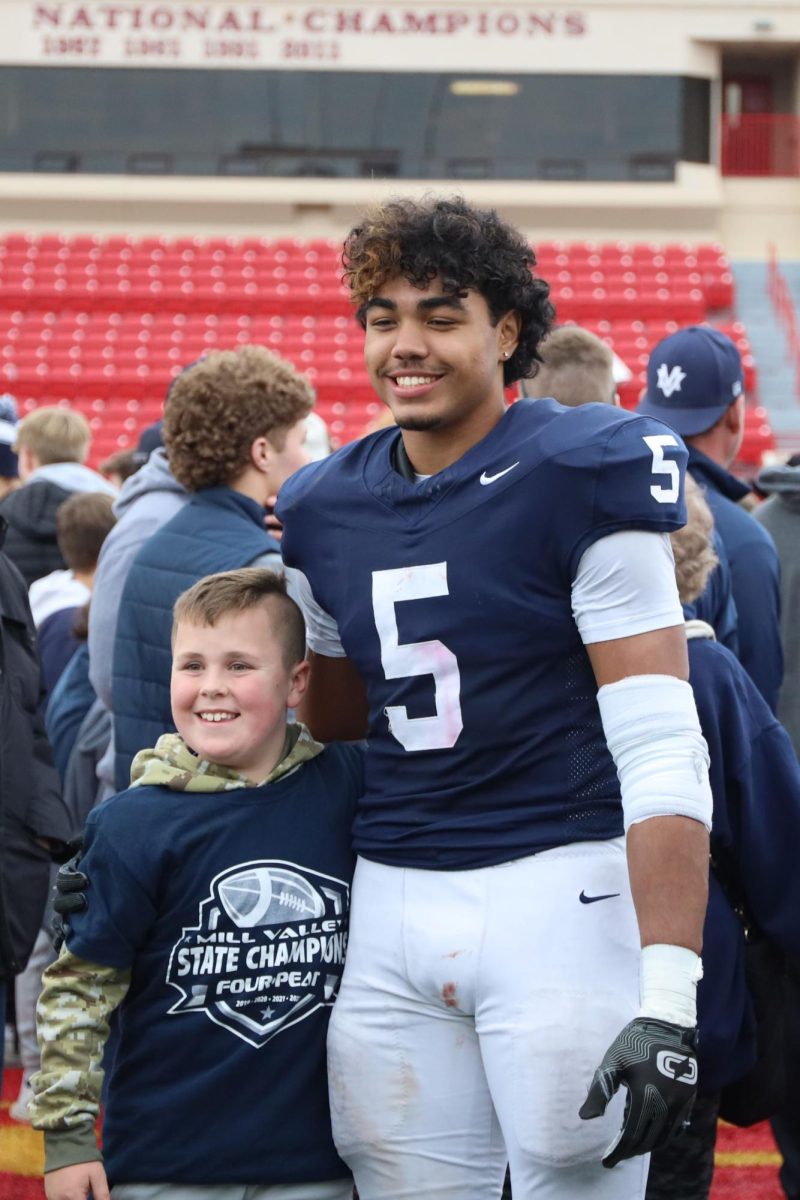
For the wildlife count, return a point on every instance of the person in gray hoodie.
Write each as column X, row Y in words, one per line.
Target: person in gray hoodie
column 780, row 516
column 51, row 445
column 147, row 501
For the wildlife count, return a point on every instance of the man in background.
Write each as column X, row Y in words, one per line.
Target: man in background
column 577, row 368
column 82, row 524
column 234, row 428
column 780, row 516
column 695, row 385
column 52, row 445
column 147, row 501
column 32, row 817
column 9, row 470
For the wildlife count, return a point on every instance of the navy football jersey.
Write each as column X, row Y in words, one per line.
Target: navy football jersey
column 453, row 600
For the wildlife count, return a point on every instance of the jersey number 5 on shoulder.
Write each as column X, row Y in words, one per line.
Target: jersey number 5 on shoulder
column 656, row 444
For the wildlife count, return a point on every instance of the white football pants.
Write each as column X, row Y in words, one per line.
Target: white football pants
column 474, row 1009
column 336, row 1190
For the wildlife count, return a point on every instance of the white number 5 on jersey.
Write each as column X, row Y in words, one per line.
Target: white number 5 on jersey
column 657, row 443
column 389, row 588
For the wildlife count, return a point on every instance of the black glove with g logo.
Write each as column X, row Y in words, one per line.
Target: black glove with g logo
column 655, row 1061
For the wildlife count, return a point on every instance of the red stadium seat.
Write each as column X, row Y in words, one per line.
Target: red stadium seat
column 105, row 323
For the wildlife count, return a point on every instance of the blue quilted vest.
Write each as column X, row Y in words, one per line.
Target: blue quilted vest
column 218, row 530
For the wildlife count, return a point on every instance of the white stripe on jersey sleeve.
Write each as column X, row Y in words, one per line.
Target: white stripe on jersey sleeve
column 626, row 585
column 322, row 632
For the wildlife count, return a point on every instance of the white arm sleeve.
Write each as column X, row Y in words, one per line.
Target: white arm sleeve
column 322, row 632
column 653, row 733
column 625, row 585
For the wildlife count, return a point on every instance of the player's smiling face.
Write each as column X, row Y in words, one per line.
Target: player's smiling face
column 230, row 690
column 436, row 358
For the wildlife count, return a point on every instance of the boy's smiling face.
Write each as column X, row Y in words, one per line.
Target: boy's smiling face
column 231, row 688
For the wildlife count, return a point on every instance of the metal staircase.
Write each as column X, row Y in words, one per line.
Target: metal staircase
column 777, row 371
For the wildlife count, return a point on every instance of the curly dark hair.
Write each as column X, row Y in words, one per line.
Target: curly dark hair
column 218, row 406
column 470, row 249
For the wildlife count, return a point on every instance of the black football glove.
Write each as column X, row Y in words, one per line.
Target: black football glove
column 655, row 1061
column 69, row 896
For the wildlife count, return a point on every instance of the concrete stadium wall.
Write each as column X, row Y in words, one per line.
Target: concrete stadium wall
column 615, row 36
column 745, row 215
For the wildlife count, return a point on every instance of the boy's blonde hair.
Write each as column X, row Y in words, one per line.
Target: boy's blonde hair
column 693, row 546
column 54, row 435
column 216, row 596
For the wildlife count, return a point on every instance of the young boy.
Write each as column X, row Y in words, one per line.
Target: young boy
column 217, row 925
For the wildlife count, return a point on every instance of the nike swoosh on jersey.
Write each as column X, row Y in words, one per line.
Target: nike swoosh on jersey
column 584, row 899
column 491, row 478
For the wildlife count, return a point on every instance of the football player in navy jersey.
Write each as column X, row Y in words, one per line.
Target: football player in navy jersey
column 491, row 600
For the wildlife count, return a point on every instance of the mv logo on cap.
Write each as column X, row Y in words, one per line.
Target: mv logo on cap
column 669, row 380
column 693, row 376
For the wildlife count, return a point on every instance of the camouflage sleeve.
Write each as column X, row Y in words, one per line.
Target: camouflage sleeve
column 72, row 1018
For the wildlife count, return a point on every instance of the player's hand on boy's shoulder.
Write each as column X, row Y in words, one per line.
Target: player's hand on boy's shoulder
column 78, row 1182
column 272, row 524
column 69, row 896
column 656, row 1062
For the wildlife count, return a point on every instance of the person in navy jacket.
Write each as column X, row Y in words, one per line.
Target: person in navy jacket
column 695, row 385
column 234, row 428
column 755, row 780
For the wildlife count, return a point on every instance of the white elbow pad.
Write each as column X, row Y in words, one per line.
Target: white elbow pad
column 653, row 734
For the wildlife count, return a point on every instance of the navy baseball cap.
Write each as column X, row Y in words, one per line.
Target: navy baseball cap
column 693, row 377
column 150, row 439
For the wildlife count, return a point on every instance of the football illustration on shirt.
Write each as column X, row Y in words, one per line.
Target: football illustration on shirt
column 267, row 950
column 269, row 896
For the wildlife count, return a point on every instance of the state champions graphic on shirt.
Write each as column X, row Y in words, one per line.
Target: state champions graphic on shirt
column 268, row 949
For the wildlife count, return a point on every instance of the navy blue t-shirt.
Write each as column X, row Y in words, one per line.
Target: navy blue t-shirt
column 231, row 911
column 453, row 600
